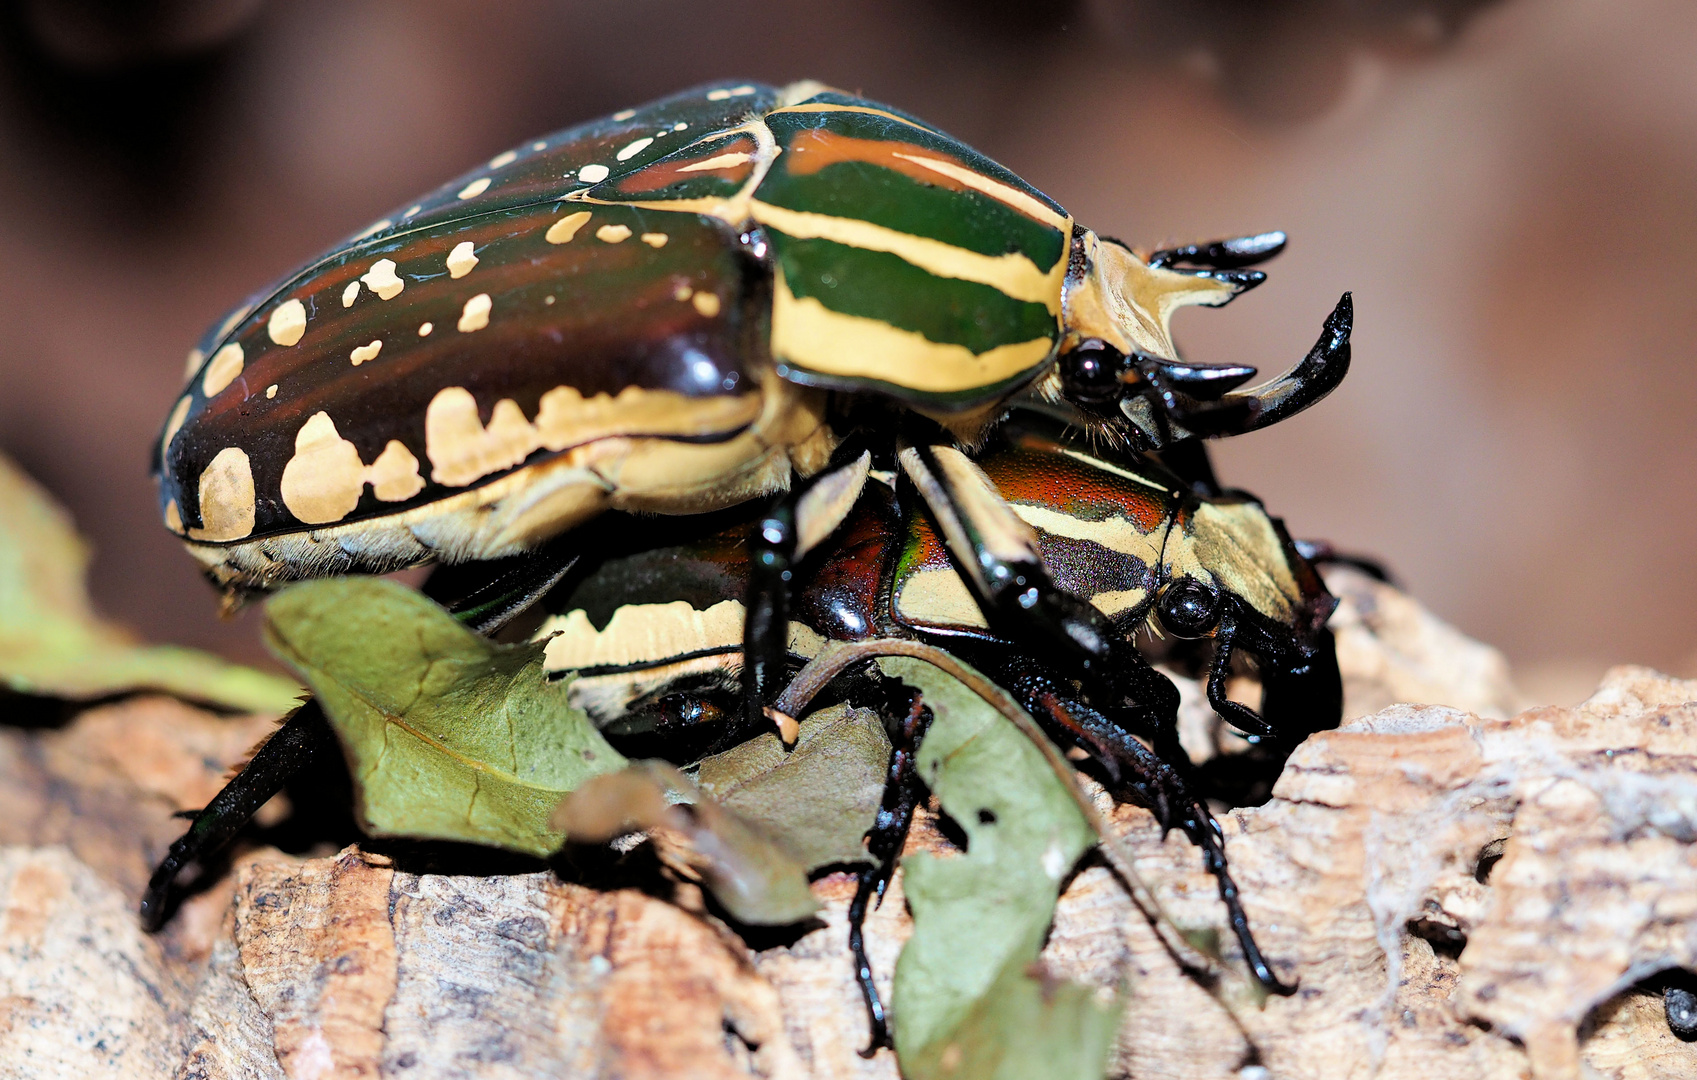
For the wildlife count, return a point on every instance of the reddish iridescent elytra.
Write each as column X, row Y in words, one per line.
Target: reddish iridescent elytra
column 643, row 313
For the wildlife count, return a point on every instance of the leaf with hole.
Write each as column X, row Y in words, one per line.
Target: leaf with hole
column 448, row 735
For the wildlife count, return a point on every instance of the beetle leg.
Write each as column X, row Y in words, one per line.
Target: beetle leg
column 300, row 739
column 1002, row 562
column 1232, row 712
column 797, row 521
column 1322, row 553
column 902, row 792
column 483, row 601
column 1160, row 779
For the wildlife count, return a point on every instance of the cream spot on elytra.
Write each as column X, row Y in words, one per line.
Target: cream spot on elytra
column 196, row 358
column 382, row 279
column 624, row 114
column 475, row 188
column 593, row 174
column 680, row 126
column 549, row 299
column 287, row 323
column 270, row 391
column 323, row 481
column 655, row 239
column 365, row 352
column 226, row 365
column 682, row 292
column 563, row 230
column 394, row 475
column 350, row 294
column 502, row 160
column 612, row 234
column 461, row 259
column 735, row 91
column 707, row 303
column 634, row 149
column 226, row 497
column 539, row 145
column 413, row 209
column 425, row 328
column 475, row 315
column 174, row 425
column 373, row 228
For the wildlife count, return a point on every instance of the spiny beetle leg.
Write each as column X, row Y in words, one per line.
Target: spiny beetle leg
column 300, row 739
column 1322, row 553
column 1003, row 563
column 484, row 597
column 796, row 521
column 1158, row 779
column 1234, row 713
column 902, row 792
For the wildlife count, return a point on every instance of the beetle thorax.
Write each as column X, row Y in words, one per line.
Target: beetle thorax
column 1124, row 302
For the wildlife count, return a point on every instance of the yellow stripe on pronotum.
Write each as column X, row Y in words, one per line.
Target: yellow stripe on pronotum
column 1013, row 274
column 807, row 333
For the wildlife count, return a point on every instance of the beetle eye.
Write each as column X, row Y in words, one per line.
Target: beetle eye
column 1187, row 608
column 1090, row 374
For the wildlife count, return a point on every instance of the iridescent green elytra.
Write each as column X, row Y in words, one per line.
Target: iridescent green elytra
column 648, row 312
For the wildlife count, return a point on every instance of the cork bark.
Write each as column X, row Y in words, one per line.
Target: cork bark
column 1462, row 888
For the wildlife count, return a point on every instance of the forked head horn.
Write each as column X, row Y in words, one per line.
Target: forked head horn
column 1204, row 402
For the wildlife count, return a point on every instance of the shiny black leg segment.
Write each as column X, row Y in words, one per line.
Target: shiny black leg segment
column 1322, row 553
column 771, row 565
column 1158, row 777
column 483, row 596
column 765, row 642
column 903, row 791
column 302, row 737
column 1234, row 713
column 997, row 554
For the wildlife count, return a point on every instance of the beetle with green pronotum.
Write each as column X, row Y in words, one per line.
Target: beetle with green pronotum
column 680, row 308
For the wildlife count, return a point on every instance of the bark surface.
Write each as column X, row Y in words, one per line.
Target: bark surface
column 1462, row 888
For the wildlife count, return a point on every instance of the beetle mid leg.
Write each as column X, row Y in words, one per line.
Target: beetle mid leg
column 796, row 523
column 1158, row 776
column 483, row 596
column 1003, row 564
column 903, row 790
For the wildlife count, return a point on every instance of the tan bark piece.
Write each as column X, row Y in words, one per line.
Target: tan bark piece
column 83, row 992
column 1361, row 877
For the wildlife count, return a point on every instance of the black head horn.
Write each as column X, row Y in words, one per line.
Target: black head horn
column 1214, row 414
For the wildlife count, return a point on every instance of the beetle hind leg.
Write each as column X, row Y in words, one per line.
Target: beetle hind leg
column 902, row 792
column 302, row 737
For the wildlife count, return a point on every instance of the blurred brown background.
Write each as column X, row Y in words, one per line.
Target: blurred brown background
column 1509, row 188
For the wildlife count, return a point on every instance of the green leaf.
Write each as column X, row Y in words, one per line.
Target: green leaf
column 755, row 878
column 818, row 799
column 964, row 1002
column 449, row 736
column 53, row 645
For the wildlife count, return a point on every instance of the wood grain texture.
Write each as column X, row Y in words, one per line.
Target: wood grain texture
column 1360, row 877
